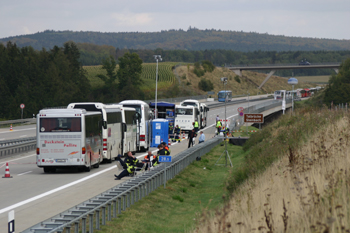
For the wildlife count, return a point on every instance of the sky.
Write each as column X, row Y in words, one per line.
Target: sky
column 298, row 18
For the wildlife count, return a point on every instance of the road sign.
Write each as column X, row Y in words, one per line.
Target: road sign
column 240, row 109
column 165, row 159
column 241, row 114
column 253, row 118
column 22, row 106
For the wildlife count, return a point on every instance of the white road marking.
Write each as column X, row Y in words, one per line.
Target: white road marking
column 20, row 158
column 54, row 190
column 2, row 139
column 24, row 173
column 22, row 136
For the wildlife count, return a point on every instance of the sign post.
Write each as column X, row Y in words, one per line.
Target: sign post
column 165, row 159
column 22, row 106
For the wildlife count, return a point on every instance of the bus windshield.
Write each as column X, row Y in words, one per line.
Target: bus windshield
column 189, row 103
column 137, row 107
column 60, row 124
column 184, row 111
column 222, row 94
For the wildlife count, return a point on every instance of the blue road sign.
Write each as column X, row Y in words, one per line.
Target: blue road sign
column 165, row 159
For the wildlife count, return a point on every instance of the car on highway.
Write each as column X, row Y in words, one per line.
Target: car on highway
column 304, row 63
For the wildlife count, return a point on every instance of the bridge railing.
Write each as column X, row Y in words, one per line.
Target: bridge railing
column 278, row 64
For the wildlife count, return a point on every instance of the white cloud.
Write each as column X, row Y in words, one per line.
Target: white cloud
column 131, row 19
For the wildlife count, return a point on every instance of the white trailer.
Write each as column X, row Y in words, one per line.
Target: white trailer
column 68, row 138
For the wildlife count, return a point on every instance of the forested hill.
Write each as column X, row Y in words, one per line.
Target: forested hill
column 192, row 39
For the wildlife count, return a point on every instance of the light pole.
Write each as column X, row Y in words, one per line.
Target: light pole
column 157, row 57
column 227, row 156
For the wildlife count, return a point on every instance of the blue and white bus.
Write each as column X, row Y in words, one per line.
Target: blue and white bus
column 224, row 94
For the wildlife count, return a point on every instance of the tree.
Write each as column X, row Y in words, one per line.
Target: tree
column 205, row 85
column 108, row 64
column 129, row 76
column 338, row 90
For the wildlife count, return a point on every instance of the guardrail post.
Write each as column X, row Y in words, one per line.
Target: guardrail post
column 109, row 212
column 132, row 192
column 67, row 229
column 124, row 202
column 83, row 225
column 91, row 223
column 98, row 219
column 76, row 227
column 115, row 208
column 103, row 215
column 119, row 205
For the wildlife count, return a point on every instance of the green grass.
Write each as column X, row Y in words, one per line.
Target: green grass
column 321, row 79
column 244, row 133
column 201, row 186
column 166, row 75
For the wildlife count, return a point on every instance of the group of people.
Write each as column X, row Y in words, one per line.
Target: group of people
column 175, row 132
column 220, row 127
column 131, row 164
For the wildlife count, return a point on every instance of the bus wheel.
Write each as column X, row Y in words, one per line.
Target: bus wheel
column 97, row 165
column 88, row 168
column 49, row 169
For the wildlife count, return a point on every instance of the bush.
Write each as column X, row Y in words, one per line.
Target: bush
column 208, row 66
column 237, row 79
column 205, row 85
column 177, row 197
column 198, row 72
column 197, row 65
column 183, row 76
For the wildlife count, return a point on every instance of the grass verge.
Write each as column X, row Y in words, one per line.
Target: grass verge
column 201, row 186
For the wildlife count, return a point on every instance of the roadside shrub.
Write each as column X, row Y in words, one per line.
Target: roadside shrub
column 237, row 79
column 208, row 66
column 198, row 72
column 205, row 85
column 183, row 76
column 178, row 198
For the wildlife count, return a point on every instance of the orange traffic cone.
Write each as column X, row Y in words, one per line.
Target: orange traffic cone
column 183, row 135
column 11, row 127
column 169, row 141
column 7, row 172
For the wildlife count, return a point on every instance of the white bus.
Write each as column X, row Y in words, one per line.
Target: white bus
column 185, row 116
column 202, row 111
column 117, row 136
column 143, row 126
column 68, row 138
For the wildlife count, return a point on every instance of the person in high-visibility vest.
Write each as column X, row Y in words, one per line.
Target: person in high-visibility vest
column 177, row 133
column 218, row 126
column 196, row 126
column 129, row 164
column 171, row 129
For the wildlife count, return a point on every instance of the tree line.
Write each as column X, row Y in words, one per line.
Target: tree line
column 55, row 77
column 191, row 39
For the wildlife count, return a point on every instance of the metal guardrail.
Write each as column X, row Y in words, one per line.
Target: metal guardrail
column 179, row 99
column 111, row 203
column 18, row 121
column 22, row 146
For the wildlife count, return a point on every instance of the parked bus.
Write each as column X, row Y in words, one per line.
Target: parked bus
column 185, row 116
column 122, row 139
column 143, row 126
column 202, row 111
column 68, row 138
column 222, row 96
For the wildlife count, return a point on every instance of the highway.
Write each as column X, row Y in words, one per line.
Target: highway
column 17, row 132
column 35, row 196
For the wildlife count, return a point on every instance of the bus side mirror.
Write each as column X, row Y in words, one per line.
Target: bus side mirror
column 104, row 124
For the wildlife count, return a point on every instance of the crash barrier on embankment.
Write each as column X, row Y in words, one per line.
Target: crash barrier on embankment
column 238, row 121
column 14, row 146
column 18, row 121
column 88, row 215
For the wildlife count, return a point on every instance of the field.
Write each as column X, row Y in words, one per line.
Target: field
column 165, row 74
column 322, row 79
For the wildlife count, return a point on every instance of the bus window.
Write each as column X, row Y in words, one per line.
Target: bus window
column 62, row 124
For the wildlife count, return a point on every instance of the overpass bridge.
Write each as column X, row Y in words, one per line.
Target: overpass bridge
column 273, row 67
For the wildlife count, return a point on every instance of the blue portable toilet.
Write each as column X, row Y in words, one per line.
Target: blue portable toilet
column 160, row 128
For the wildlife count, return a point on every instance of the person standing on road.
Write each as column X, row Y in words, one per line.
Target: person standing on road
column 218, row 127
column 177, row 133
column 191, row 137
column 196, row 126
column 201, row 137
column 217, row 119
